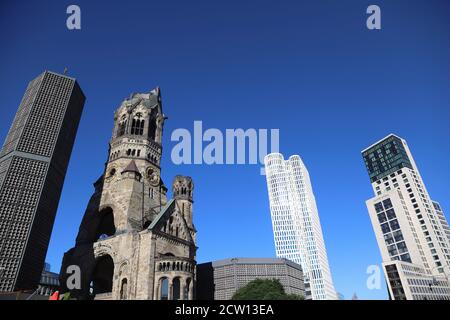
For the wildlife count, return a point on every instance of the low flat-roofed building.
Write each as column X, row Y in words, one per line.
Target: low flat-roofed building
column 219, row 280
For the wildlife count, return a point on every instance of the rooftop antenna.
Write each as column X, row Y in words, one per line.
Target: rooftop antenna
column 65, row 70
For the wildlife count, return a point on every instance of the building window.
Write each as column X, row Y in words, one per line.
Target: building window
column 390, row 214
column 378, row 207
column 381, row 217
column 406, row 257
column 394, row 224
column 123, row 289
column 398, row 236
column 176, row 289
column 137, row 126
column 385, row 228
column 387, row 204
column 164, row 289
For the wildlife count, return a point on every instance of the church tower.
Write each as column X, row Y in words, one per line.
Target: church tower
column 133, row 243
column 182, row 189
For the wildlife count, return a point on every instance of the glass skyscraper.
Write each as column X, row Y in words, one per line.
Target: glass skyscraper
column 296, row 225
column 33, row 164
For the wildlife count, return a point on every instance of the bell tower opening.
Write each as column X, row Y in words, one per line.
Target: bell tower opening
column 106, row 227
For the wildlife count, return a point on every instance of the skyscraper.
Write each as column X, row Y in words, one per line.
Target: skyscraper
column 296, row 225
column 33, row 164
column 411, row 229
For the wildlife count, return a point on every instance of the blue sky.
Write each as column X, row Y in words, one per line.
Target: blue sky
column 310, row 68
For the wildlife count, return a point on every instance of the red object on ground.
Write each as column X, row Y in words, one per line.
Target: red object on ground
column 54, row 296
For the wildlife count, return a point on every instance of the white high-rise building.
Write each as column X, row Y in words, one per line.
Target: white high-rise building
column 411, row 230
column 296, row 225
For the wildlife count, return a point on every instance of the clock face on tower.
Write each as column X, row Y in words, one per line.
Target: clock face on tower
column 153, row 176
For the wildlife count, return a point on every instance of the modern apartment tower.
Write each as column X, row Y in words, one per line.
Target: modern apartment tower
column 33, row 164
column 296, row 225
column 411, row 229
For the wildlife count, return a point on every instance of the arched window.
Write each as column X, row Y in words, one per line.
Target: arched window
column 141, row 127
column 137, row 125
column 164, row 293
column 102, row 276
column 152, row 126
column 176, row 289
column 122, row 128
column 105, row 224
column 123, row 289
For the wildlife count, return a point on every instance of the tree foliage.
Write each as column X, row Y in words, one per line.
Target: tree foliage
column 264, row 289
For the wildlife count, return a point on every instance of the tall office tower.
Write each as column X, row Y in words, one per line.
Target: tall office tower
column 296, row 225
column 411, row 230
column 33, row 164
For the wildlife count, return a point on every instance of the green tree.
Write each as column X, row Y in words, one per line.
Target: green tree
column 264, row 289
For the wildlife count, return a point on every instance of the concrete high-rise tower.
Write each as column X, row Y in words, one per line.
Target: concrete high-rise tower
column 411, row 229
column 296, row 225
column 33, row 164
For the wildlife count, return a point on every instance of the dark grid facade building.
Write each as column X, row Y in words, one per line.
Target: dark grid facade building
column 385, row 158
column 33, row 164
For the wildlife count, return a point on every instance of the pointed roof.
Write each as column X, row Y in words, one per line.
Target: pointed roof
column 165, row 214
column 131, row 167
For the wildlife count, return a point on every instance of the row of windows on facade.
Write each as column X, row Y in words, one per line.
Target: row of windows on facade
column 173, row 291
column 393, row 237
column 432, row 220
column 431, row 289
column 137, row 127
column 132, row 153
column 175, row 266
column 423, row 282
column 419, row 297
column 415, row 205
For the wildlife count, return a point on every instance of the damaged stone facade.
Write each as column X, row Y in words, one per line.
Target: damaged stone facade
column 134, row 243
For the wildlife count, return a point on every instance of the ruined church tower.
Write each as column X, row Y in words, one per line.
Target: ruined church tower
column 134, row 243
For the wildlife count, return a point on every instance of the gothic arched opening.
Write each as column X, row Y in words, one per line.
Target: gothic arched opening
column 106, row 227
column 102, row 276
column 123, row 289
column 164, row 293
column 176, row 287
column 152, row 125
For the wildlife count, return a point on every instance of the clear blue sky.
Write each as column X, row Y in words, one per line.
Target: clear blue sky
column 309, row 68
